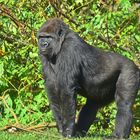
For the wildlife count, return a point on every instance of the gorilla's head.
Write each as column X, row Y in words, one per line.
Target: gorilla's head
column 51, row 36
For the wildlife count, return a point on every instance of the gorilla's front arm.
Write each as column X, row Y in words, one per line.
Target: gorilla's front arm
column 61, row 96
column 68, row 106
column 63, row 105
column 67, row 86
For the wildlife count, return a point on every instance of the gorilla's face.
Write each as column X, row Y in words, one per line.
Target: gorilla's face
column 45, row 44
column 48, row 44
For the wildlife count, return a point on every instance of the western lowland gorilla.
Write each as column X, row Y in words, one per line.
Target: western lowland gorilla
column 71, row 67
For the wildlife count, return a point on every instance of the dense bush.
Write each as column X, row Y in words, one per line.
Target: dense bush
column 110, row 25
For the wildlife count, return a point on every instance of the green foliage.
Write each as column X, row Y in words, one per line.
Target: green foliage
column 109, row 25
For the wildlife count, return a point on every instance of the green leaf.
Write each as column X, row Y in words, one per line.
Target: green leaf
column 137, row 37
column 125, row 4
column 9, row 102
column 1, row 68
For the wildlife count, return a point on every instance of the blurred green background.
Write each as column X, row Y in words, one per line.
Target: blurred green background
column 112, row 25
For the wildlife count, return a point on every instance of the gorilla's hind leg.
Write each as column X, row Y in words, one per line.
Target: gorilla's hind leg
column 125, row 95
column 86, row 117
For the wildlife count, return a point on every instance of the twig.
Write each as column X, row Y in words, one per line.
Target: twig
column 4, row 92
column 83, row 5
column 104, row 39
column 9, row 13
column 29, row 129
column 137, row 118
column 21, row 25
column 55, row 7
column 41, row 126
column 108, row 38
column 12, row 112
column 10, row 83
column 35, row 120
column 11, row 39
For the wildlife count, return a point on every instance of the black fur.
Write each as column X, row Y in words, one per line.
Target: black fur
column 71, row 67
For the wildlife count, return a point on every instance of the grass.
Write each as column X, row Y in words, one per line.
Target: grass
column 49, row 134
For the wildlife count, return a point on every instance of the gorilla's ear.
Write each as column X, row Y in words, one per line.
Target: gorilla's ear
column 61, row 33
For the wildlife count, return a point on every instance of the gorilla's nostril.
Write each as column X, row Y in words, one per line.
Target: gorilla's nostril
column 45, row 44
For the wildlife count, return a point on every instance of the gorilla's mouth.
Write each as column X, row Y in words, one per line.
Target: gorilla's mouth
column 43, row 52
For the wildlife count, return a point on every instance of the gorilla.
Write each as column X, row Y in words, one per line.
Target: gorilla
column 71, row 66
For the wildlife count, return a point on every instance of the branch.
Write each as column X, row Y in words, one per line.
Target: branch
column 6, row 11
column 80, row 7
column 60, row 11
column 109, row 42
column 11, row 39
column 41, row 126
column 10, row 110
column 28, row 129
